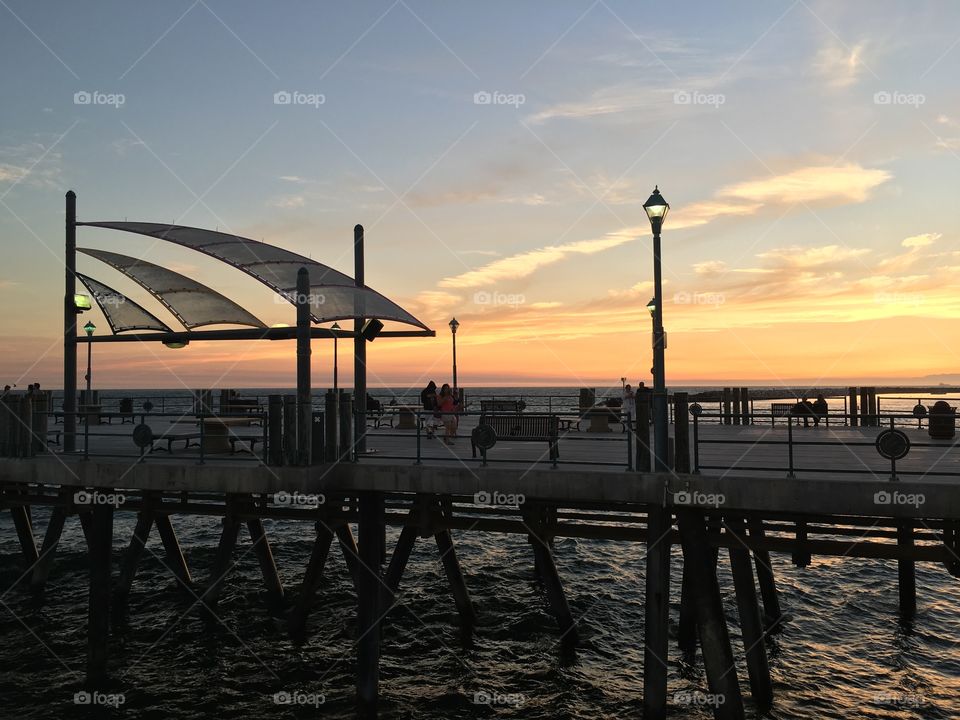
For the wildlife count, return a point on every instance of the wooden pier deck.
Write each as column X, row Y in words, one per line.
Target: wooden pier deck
column 839, row 500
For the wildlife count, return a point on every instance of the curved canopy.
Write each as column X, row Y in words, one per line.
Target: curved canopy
column 121, row 312
column 192, row 303
column 333, row 295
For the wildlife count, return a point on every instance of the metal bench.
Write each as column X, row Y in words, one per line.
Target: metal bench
column 784, row 410
column 171, row 438
column 500, row 406
column 252, row 439
column 521, row 428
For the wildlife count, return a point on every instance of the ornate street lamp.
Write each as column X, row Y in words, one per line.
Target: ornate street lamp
column 453, row 332
column 657, row 208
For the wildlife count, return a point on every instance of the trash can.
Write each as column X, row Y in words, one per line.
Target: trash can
column 942, row 424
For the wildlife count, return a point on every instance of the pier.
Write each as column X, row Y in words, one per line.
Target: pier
column 734, row 483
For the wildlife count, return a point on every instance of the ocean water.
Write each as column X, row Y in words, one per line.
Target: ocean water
column 842, row 653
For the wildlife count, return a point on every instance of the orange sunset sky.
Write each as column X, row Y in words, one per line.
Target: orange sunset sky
column 810, row 153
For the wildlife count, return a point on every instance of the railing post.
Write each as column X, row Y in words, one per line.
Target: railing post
column 696, row 444
column 629, row 445
column 642, row 432
column 416, row 420
column 681, row 433
column 274, row 430
column 790, row 445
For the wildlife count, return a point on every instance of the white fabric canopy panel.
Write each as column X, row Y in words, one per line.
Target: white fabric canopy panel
column 121, row 312
column 192, row 303
column 333, row 294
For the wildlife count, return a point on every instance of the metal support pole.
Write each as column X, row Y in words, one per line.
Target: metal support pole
column 304, row 399
column 359, row 347
column 661, row 463
column 70, row 327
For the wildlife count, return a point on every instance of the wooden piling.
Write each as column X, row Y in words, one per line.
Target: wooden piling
column 297, row 621
column 51, row 538
column 727, row 394
column 748, row 609
column 656, row 613
column 454, row 573
column 765, row 578
column 275, row 430
column 98, row 625
column 370, row 521
column 268, row 567
column 853, row 419
column 801, row 555
column 176, row 562
column 906, row 573
column 687, row 627
column 128, row 565
column 714, row 637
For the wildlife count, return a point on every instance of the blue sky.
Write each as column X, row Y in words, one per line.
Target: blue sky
column 803, row 146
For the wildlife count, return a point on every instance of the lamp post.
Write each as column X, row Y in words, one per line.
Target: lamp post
column 89, row 328
column 335, row 326
column 656, row 208
column 453, row 332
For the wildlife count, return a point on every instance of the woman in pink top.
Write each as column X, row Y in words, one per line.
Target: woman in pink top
column 447, row 405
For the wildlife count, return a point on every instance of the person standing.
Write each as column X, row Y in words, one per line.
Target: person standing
column 447, row 405
column 629, row 406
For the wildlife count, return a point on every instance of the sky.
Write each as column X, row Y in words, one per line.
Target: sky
column 498, row 155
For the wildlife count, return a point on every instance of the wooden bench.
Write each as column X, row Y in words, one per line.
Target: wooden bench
column 521, row 428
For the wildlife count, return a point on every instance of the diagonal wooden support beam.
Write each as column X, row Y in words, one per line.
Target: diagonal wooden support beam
column 176, row 563
column 28, row 544
column 351, row 554
column 687, row 630
column 458, row 585
column 268, row 567
column 222, row 560
column 751, row 625
column 128, row 566
column 714, row 636
column 772, row 614
column 401, row 554
column 536, row 519
column 297, row 621
column 51, row 538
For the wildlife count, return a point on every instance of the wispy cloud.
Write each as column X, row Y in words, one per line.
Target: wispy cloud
column 840, row 65
column 525, row 264
column 828, row 184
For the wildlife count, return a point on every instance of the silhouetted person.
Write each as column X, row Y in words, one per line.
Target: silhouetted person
column 819, row 409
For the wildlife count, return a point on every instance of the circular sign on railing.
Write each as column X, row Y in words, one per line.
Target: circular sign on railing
column 893, row 444
column 484, row 437
column 696, row 409
column 142, row 435
column 147, row 406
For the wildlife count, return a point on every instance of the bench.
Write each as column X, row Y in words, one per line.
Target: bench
column 521, row 428
column 252, row 439
column 171, row 438
column 500, row 406
column 781, row 410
